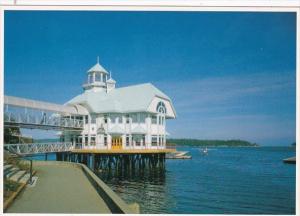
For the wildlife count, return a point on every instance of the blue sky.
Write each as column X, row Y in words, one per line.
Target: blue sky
column 230, row 74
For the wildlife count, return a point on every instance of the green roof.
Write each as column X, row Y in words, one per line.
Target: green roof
column 136, row 98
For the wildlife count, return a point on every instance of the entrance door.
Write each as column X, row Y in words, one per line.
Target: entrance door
column 116, row 143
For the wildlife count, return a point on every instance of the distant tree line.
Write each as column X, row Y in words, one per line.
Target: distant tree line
column 197, row 142
column 14, row 135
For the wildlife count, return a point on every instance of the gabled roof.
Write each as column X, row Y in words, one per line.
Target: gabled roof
column 97, row 68
column 136, row 98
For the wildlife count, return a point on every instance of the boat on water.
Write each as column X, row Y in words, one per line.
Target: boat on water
column 178, row 155
column 204, row 150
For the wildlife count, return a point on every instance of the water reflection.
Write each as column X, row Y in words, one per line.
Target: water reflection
column 144, row 186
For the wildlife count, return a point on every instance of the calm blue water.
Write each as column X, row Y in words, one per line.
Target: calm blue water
column 227, row 180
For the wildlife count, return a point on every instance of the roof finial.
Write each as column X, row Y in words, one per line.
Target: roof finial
column 110, row 74
column 98, row 59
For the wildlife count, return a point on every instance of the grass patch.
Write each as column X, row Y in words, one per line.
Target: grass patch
column 23, row 166
column 15, row 161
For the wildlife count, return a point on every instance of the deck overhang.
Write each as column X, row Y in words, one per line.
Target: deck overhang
column 123, row 151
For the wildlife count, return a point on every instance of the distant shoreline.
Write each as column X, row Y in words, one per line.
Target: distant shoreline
column 210, row 143
column 200, row 146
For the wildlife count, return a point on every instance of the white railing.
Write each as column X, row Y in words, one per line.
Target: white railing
column 52, row 121
column 101, row 146
column 37, row 148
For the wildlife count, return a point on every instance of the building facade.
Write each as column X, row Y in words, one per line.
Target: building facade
column 132, row 117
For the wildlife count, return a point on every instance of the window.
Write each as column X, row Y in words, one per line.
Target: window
column 161, row 107
column 113, row 118
column 104, row 78
column 127, row 119
column 153, row 119
column 134, row 118
column 143, row 140
column 86, row 139
column 90, row 79
column 121, row 119
column 142, row 118
column 93, row 140
column 161, row 120
column 137, row 140
column 160, row 140
column 105, row 140
column 154, row 140
column 97, row 77
column 86, row 119
column 127, row 140
column 105, row 119
column 93, row 119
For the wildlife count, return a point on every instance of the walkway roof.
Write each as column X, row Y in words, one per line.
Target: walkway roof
column 45, row 106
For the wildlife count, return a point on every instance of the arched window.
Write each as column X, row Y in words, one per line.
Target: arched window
column 161, row 107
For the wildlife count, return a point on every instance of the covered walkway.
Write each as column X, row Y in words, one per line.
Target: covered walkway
column 33, row 114
column 59, row 189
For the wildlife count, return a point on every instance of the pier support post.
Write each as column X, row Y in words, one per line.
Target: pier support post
column 93, row 162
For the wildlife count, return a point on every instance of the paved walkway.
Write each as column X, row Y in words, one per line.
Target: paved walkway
column 59, row 189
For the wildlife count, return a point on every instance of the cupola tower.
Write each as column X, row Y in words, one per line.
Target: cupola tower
column 97, row 77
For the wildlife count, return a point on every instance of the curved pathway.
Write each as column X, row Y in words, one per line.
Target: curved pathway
column 59, row 189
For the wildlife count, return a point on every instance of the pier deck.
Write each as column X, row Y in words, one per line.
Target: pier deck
column 59, row 189
column 291, row 160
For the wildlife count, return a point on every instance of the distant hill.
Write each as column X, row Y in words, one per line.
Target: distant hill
column 197, row 142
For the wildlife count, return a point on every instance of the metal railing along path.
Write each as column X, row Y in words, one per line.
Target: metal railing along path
column 39, row 148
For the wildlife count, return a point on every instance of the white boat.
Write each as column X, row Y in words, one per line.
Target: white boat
column 205, row 150
column 178, row 155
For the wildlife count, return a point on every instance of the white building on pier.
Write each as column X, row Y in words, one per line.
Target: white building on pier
column 132, row 117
